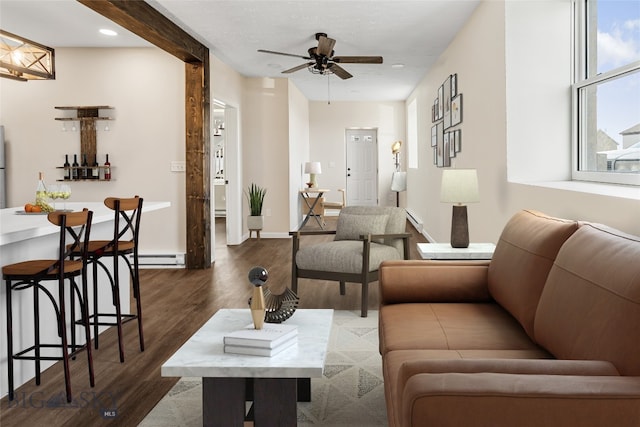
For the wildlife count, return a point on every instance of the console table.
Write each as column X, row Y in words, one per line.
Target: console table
column 444, row 251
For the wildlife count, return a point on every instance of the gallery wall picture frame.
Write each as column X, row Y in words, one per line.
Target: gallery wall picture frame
column 440, row 101
column 447, row 102
column 440, row 145
column 452, row 144
column 434, row 135
column 458, row 141
column 456, row 110
column 454, row 85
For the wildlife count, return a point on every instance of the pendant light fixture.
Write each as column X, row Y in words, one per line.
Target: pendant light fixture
column 22, row 59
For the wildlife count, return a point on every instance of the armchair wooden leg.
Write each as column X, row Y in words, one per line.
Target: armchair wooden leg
column 365, row 300
column 343, row 289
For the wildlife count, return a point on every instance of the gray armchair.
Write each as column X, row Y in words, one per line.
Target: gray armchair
column 364, row 237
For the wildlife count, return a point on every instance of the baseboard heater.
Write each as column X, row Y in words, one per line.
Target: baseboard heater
column 415, row 221
column 160, row 260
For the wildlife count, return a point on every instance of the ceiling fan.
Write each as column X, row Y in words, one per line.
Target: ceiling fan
column 322, row 61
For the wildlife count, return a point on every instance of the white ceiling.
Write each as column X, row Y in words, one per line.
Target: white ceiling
column 412, row 33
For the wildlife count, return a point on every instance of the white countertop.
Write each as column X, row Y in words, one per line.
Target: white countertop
column 203, row 354
column 17, row 228
column 444, row 251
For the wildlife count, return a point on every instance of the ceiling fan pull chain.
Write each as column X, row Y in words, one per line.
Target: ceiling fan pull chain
column 328, row 89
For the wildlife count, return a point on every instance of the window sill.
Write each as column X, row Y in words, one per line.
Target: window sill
column 612, row 190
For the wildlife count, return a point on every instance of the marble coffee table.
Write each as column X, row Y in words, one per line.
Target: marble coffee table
column 271, row 383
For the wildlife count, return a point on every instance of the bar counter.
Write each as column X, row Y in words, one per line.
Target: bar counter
column 32, row 236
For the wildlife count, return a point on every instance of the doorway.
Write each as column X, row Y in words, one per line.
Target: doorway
column 362, row 167
column 225, row 175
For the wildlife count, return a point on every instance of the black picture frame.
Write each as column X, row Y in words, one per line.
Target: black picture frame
column 434, row 135
column 446, row 89
column 458, row 141
column 456, row 110
column 454, row 85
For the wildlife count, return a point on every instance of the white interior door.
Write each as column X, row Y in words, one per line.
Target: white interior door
column 362, row 167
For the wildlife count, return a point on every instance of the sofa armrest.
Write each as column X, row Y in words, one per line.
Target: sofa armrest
column 499, row 399
column 413, row 281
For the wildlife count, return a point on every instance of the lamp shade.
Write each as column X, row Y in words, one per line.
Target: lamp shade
column 312, row 167
column 459, row 186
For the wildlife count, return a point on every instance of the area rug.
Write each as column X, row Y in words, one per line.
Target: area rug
column 350, row 393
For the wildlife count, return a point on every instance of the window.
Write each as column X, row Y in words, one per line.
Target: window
column 607, row 91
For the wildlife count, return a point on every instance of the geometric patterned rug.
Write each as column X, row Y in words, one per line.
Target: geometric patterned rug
column 350, row 393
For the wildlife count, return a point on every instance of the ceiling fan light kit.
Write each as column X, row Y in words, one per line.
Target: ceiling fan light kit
column 322, row 61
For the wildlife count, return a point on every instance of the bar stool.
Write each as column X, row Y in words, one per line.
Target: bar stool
column 32, row 274
column 127, row 214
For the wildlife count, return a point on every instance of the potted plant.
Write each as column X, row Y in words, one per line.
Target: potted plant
column 255, row 197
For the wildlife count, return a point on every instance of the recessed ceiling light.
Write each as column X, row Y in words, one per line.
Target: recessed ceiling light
column 108, row 32
column 397, row 65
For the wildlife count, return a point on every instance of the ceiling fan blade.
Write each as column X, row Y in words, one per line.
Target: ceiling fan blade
column 325, row 45
column 282, row 53
column 299, row 67
column 358, row 59
column 339, row 71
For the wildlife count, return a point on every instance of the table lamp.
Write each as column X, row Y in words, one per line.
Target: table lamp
column 313, row 169
column 459, row 186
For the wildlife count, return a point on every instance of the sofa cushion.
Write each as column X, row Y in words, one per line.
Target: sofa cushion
column 590, row 306
column 522, row 259
column 450, row 326
column 351, row 227
column 343, row 256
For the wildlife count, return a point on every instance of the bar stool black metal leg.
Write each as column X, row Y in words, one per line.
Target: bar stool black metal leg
column 36, row 326
column 65, row 346
column 136, row 294
column 96, row 326
column 84, row 307
column 9, row 339
column 116, row 301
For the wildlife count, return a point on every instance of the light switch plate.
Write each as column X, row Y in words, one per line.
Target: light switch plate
column 178, row 166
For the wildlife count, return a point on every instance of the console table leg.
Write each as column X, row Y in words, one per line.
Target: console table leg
column 274, row 402
column 223, row 402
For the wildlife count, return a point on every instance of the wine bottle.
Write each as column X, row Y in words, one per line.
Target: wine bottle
column 67, row 168
column 95, row 169
column 107, row 169
column 84, row 168
column 75, row 168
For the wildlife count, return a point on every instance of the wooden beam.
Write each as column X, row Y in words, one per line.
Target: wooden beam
column 198, row 171
column 143, row 20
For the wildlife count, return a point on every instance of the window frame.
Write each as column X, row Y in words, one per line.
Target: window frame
column 581, row 81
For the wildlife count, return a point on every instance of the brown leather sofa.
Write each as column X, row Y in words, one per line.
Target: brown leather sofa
column 545, row 334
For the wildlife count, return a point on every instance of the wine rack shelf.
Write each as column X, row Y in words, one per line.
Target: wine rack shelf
column 87, row 116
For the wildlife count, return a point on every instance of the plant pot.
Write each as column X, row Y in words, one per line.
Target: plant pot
column 255, row 222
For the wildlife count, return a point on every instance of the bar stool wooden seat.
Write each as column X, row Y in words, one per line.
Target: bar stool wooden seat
column 127, row 213
column 33, row 275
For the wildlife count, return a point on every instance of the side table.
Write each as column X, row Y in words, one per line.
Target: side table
column 444, row 251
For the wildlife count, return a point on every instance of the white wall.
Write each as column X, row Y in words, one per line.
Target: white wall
column 298, row 151
column 146, row 88
column 265, row 145
column 327, row 126
column 515, row 110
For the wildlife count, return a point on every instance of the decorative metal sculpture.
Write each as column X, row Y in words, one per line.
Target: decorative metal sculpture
column 273, row 308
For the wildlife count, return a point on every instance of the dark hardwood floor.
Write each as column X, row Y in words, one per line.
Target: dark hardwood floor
column 176, row 302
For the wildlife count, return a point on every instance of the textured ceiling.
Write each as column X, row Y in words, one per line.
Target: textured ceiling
column 412, row 33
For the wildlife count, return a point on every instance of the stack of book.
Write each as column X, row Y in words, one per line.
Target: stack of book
column 268, row 341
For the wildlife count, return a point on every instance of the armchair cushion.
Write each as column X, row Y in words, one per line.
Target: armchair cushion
column 351, row 227
column 343, row 256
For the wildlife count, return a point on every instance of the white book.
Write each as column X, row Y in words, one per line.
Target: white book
column 261, row 351
column 270, row 336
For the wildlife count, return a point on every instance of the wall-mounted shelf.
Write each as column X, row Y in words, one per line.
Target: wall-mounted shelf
column 87, row 116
